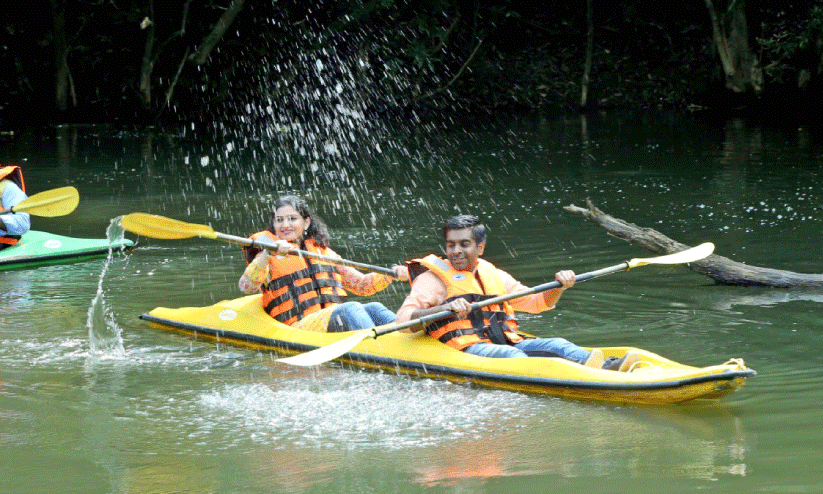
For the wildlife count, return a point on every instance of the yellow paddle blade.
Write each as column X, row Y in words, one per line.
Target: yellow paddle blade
column 155, row 226
column 689, row 255
column 49, row 203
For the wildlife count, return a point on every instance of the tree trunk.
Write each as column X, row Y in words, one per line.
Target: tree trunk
column 147, row 67
column 587, row 68
column 170, row 91
column 61, row 49
column 200, row 55
column 150, row 57
column 721, row 269
column 731, row 38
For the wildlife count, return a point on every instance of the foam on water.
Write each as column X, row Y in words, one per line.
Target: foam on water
column 366, row 410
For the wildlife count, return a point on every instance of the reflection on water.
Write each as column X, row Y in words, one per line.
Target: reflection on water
column 457, row 432
column 733, row 297
column 584, row 441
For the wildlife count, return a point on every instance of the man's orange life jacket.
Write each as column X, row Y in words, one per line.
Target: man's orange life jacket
column 15, row 174
column 300, row 286
column 495, row 323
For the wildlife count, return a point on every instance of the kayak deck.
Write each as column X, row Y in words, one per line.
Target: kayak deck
column 37, row 249
column 654, row 380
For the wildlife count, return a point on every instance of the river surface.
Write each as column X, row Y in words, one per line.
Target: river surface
column 93, row 400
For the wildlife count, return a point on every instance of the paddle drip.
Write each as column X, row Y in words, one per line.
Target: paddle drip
column 105, row 336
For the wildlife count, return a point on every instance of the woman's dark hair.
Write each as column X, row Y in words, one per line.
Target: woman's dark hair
column 317, row 230
column 461, row 221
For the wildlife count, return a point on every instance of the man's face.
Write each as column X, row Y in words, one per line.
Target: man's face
column 462, row 250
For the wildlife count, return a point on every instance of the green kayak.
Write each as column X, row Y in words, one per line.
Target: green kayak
column 41, row 249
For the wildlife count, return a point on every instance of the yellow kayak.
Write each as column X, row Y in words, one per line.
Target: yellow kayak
column 653, row 380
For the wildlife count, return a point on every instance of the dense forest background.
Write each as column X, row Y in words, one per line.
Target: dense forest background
column 174, row 61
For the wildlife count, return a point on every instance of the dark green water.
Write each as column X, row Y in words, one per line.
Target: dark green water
column 103, row 403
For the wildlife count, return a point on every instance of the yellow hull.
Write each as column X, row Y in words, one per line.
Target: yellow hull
column 655, row 380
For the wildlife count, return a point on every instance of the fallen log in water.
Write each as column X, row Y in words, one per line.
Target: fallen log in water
column 721, row 269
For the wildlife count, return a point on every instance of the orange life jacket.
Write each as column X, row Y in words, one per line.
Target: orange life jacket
column 495, row 323
column 15, row 174
column 300, row 286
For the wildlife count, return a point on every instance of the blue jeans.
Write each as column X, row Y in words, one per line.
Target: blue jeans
column 531, row 347
column 350, row 316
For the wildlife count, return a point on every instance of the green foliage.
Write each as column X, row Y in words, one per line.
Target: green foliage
column 388, row 55
column 790, row 46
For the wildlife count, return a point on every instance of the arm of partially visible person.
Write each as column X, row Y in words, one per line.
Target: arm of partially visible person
column 15, row 223
column 537, row 302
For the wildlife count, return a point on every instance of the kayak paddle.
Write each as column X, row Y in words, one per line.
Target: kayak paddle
column 154, row 226
column 338, row 348
column 49, row 203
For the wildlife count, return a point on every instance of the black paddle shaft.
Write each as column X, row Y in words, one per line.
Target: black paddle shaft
column 503, row 298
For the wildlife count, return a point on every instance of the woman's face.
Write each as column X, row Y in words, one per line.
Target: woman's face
column 289, row 224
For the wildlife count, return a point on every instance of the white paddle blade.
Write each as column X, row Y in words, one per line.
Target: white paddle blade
column 328, row 352
column 689, row 255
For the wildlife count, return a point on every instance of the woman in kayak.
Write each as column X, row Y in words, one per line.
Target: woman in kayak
column 12, row 192
column 306, row 293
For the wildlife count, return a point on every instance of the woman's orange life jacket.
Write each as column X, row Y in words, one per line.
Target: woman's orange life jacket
column 495, row 323
column 300, row 286
column 15, row 174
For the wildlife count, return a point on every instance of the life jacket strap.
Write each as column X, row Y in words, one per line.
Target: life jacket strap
column 484, row 334
column 494, row 331
column 289, row 280
column 297, row 310
column 9, row 240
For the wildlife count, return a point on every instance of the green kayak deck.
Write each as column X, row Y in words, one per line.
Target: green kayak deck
column 41, row 249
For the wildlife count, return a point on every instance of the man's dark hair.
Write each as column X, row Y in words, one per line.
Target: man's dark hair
column 461, row 221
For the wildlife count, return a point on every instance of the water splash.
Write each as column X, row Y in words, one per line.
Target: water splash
column 105, row 335
column 316, row 123
column 362, row 411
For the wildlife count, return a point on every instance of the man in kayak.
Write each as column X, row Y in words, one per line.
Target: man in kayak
column 12, row 192
column 454, row 284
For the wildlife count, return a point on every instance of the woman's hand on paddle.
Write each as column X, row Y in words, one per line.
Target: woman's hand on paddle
column 283, row 247
column 279, row 247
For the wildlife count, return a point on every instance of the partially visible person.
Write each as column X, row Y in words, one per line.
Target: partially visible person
column 307, row 293
column 12, row 192
column 464, row 278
